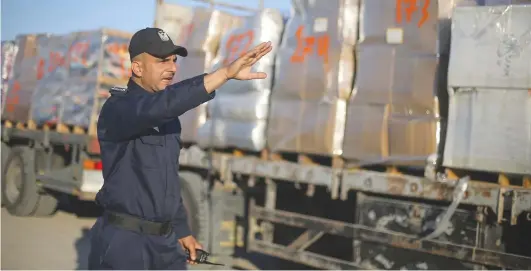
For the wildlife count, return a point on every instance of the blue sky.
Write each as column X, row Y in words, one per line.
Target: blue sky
column 64, row 16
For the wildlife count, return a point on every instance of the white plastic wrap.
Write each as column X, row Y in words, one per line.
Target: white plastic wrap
column 392, row 113
column 496, row 43
column 202, row 42
column 313, row 78
column 175, row 20
column 71, row 69
column 9, row 51
column 489, row 130
column 23, row 80
column 240, row 107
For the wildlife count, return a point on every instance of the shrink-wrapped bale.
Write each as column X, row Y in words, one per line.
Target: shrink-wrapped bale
column 241, row 107
column 77, row 68
column 9, row 51
column 175, row 20
column 495, row 43
column 389, row 74
column 393, row 111
column 391, row 22
column 387, row 134
column 23, row 81
column 202, row 42
column 308, row 126
column 489, row 125
column 53, row 73
column 313, row 78
column 489, row 130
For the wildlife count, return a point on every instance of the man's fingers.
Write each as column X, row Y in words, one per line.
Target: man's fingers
column 192, row 253
column 256, row 50
column 259, row 56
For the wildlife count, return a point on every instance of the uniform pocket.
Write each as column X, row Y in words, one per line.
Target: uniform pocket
column 148, row 151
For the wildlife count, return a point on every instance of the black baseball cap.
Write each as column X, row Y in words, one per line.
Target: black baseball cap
column 155, row 42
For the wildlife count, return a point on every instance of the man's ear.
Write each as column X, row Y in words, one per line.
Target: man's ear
column 136, row 67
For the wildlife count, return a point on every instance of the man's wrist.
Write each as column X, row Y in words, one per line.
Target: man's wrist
column 213, row 81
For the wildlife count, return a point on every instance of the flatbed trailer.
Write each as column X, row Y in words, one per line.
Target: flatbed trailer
column 476, row 208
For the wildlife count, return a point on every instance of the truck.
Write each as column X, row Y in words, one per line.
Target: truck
column 298, row 210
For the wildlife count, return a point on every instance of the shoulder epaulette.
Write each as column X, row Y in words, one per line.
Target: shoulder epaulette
column 118, row 91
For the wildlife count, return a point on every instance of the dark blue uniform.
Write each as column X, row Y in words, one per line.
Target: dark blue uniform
column 139, row 135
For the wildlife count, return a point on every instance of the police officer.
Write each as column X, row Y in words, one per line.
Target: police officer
column 144, row 223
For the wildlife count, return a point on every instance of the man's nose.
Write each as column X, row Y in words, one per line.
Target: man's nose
column 173, row 67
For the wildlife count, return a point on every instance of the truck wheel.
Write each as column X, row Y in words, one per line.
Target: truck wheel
column 46, row 206
column 194, row 199
column 47, row 203
column 19, row 187
column 5, row 154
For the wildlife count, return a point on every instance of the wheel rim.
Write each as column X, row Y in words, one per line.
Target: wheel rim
column 13, row 180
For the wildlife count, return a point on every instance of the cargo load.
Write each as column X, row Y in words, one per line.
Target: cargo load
column 202, row 42
column 313, row 78
column 79, row 68
column 23, row 80
column 489, row 126
column 174, row 20
column 238, row 114
column 9, row 51
column 65, row 78
column 393, row 111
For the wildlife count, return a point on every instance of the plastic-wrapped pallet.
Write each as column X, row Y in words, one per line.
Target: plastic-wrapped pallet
column 238, row 115
column 495, row 42
column 489, row 127
column 202, row 43
column 175, row 20
column 23, row 81
column 53, row 72
column 393, row 112
column 9, row 51
column 77, row 70
column 313, row 78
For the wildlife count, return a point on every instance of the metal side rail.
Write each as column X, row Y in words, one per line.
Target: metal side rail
column 45, row 136
column 287, row 171
column 399, row 240
column 498, row 198
column 340, row 182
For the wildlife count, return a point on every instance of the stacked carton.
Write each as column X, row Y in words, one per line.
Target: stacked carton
column 392, row 113
column 202, row 42
column 23, row 80
column 63, row 79
column 313, row 78
column 489, row 126
column 74, row 70
column 238, row 114
column 9, row 51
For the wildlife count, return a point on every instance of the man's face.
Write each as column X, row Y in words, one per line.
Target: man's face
column 155, row 73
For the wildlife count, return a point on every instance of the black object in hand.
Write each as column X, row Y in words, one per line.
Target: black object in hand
column 201, row 257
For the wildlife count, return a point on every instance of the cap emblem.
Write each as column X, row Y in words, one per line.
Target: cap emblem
column 163, row 36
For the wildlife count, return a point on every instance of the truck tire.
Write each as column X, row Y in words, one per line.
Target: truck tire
column 5, row 154
column 46, row 206
column 193, row 190
column 19, row 186
column 47, row 203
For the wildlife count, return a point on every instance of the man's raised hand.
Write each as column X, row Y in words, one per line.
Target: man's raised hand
column 240, row 69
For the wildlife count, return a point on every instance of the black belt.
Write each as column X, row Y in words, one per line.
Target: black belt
column 136, row 224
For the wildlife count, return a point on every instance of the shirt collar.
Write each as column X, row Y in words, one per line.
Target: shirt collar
column 133, row 87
